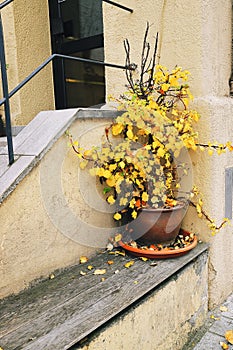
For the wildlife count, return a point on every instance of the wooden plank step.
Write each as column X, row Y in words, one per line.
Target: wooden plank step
column 57, row 313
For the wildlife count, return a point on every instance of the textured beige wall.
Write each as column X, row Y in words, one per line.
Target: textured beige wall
column 197, row 36
column 194, row 34
column 27, row 33
column 11, row 58
column 32, row 242
column 52, row 217
column 216, row 124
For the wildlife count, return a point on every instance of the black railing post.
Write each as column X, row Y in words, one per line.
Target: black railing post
column 6, row 96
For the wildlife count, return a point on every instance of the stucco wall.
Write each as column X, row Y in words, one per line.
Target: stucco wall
column 11, row 57
column 27, row 36
column 52, row 216
column 197, row 36
column 31, row 245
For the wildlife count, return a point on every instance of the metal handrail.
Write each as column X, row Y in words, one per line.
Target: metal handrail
column 5, row 3
column 7, row 95
column 49, row 59
column 118, row 5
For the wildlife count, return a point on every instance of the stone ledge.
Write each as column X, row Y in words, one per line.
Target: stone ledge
column 58, row 313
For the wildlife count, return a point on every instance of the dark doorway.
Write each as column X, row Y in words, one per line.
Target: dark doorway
column 77, row 30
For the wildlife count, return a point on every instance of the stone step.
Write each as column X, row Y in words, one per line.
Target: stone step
column 150, row 305
column 212, row 333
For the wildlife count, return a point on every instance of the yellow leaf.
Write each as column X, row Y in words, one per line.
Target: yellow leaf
column 117, row 129
column 134, row 214
column 165, row 87
column 143, row 258
column 110, row 262
column 51, row 277
column 82, row 273
column 224, row 345
column 103, row 172
column 103, row 279
column 118, row 237
column 112, row 167
column 229, row 336
column 122, row 165
column 173, row 81
column 186, row 101
column 210, row 152
column 90, row 267
column 111, row 181
column 87, row 153
column 118, row 252
column 131, row 203
column 99, row 272
column 128, row 264
column 83, row 164
column 214, row 318
column 111, row 199
column 130, row 134
column 223, row 308
column 152, row 104
column 83, row 259
column 117, row 216
column 123, row 201
column 107, row 174
column 161, row 152
column 145, row 197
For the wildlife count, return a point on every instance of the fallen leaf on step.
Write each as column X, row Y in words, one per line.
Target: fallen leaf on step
column 99, row 272
column 229, row 336
column 143, row 258
column 215, row 318
column 82, row 273
column 83, row 259
column 110, row 246
column 223, row 308
column 128, row 264
column 224, row 345
column 118, row 252
column 110, row 262
column 118, row 237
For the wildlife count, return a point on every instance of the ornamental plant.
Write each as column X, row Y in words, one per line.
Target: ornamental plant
column 142, row 161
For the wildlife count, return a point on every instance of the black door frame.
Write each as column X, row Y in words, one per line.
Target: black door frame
column 66, row 48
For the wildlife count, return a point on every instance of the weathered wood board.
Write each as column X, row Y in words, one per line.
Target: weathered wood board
column 57, row 313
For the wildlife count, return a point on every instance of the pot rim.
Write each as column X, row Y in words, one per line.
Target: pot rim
column 177, row 207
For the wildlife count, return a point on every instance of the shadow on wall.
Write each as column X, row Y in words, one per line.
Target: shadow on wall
column 2, row 127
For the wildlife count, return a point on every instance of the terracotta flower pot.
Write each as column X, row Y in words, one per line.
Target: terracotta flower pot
column 158, row 225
